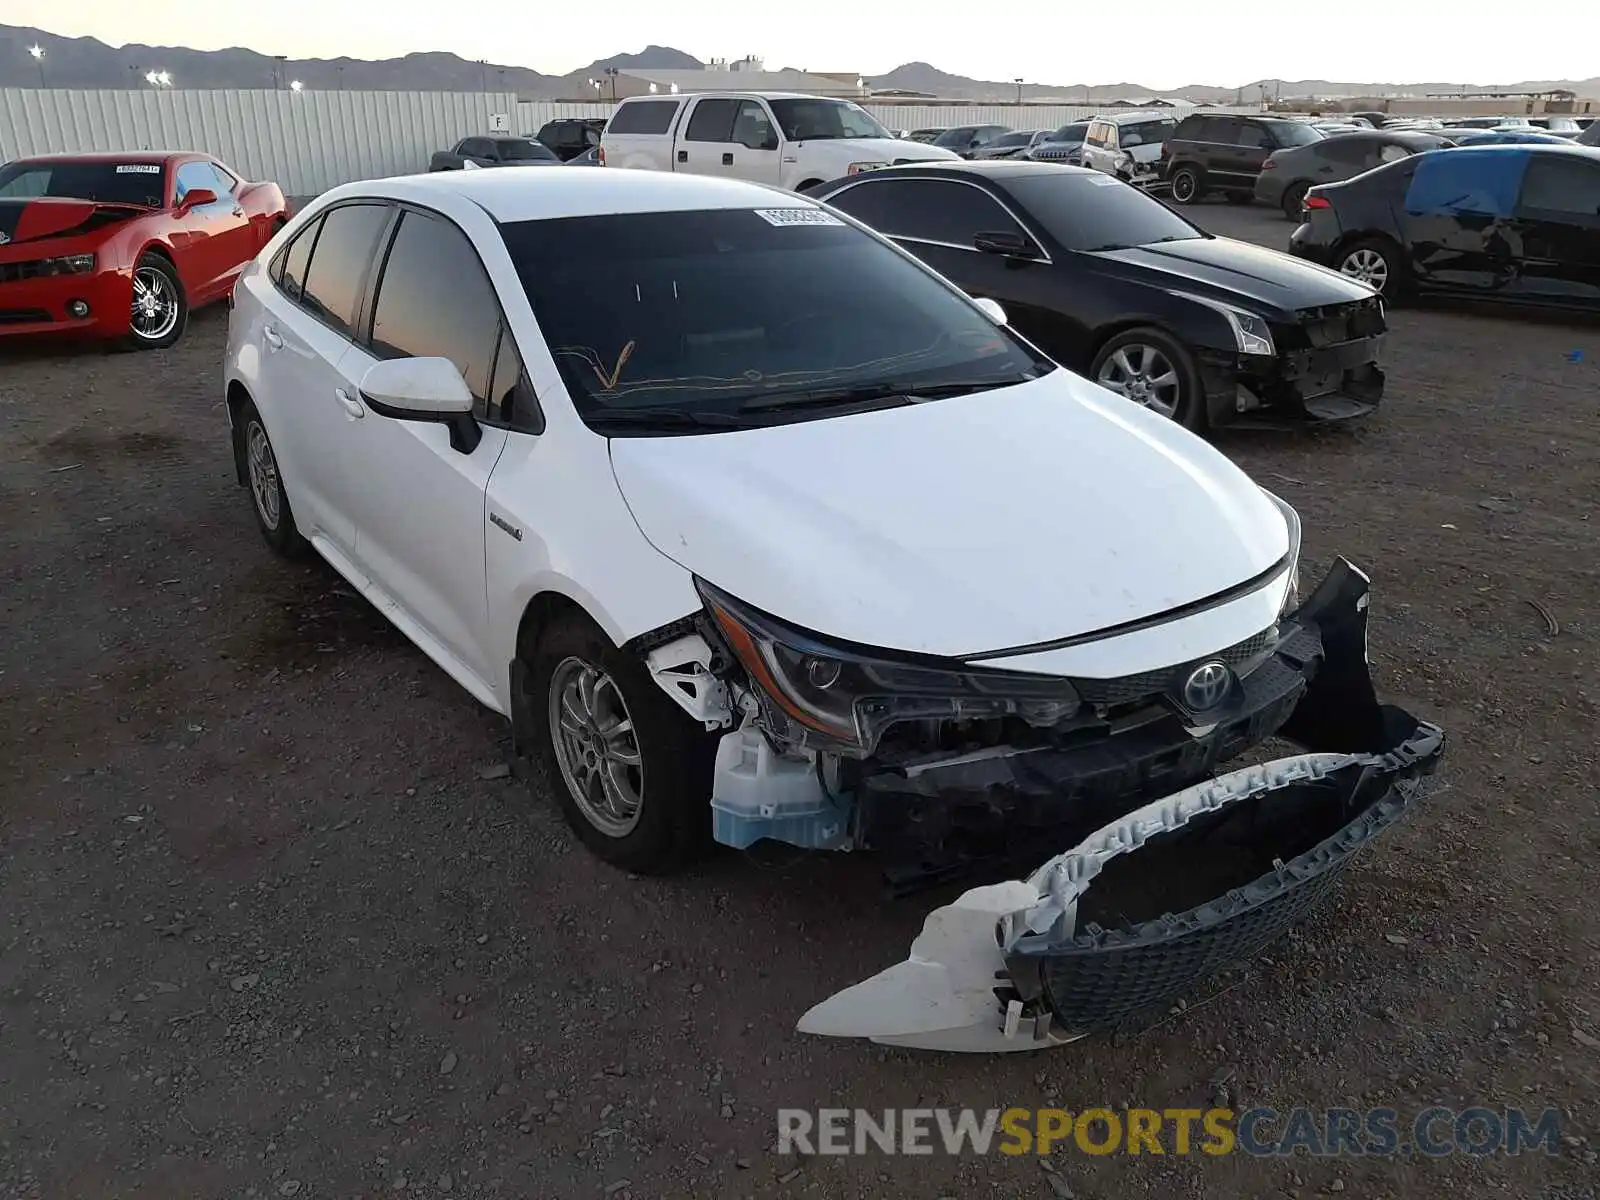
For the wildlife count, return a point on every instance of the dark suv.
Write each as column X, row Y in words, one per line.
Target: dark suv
column 1211, row 152
column 570, row 137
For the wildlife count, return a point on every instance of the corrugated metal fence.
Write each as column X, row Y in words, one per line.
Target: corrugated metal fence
column 311, row 141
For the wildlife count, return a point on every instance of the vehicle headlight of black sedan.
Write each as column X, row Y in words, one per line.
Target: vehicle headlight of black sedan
column 1112, row 283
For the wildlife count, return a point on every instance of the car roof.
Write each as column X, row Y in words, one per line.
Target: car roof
column 1144, row 114
column 536, row 194
column 981, row 168
column 113, row 156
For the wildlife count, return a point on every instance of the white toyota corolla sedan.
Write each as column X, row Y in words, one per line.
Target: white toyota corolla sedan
column 755, row 528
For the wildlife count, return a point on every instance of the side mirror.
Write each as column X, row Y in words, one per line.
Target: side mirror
column 423, row 389
column 1007, row 243
column 197, row 198
column 992, row 310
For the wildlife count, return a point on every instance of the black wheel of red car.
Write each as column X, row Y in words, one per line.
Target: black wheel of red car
column 1186, row 187
column 268, row 498
column 631, row 770
column 1153, row 369
column 159, row 310
column 1375, row 262
column 1294, row 198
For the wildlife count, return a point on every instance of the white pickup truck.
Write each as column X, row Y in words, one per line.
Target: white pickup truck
column 791, row 141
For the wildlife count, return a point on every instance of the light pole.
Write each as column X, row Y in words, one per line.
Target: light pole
column 38, row 57
column 1018, row 82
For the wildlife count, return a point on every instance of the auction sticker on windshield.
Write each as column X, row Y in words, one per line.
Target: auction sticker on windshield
column 797, row 216
column 140, row 169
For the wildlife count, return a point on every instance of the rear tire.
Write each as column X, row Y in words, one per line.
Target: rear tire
column 1375, row 262
column 1187, row 187
column 632, row 771
column 268, row 498
column 1294, row 198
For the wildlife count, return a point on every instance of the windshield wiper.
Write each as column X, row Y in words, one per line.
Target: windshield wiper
column 894, row 393
column 676, row 418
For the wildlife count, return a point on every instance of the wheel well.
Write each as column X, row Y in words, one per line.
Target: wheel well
column 238, row 397
column 805, row 183
column 1343, row 245
column 541, row 611
column 160, row 251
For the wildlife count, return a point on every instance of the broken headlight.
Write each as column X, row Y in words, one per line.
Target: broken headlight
column 1291, row 598
column 841, row 698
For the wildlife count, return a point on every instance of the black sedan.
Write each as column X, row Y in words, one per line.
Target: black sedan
column 1510, row 223
column 1113, row 284
column 1289, row 174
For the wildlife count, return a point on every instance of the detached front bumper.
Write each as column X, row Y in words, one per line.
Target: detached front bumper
column 1150, row 902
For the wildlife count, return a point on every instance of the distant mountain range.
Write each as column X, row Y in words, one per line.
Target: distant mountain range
column 90, row 63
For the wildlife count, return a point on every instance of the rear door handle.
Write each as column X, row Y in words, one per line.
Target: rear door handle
column 727, row 160
column 351, row 405
column 683, row 156
column 269, row 335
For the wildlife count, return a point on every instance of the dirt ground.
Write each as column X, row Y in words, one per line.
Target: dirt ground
column 274, row 923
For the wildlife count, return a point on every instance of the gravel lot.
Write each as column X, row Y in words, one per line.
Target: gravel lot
column 274, row 921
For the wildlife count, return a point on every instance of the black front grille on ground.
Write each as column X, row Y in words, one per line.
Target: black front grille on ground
column 23, row 316
column 1129, row 689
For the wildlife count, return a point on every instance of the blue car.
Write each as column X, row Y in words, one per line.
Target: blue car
column 1507, row 137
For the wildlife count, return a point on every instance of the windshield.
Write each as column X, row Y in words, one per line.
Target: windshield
column 809, row 120
column 1098, row 212
column 1146, row 133
column 520, row 149
column 1295, row 133
column 105, row 182
column 725, row 316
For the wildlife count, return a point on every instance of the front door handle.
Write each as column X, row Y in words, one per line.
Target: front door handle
column 683, row 156
column 269, row 335
column 351, row 405
column 727, row 160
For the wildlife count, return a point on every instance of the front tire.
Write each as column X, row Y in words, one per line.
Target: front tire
column 1186, row 186
column 1153, row 369
column 268, row 498
column 159, row 310
column 631, row 770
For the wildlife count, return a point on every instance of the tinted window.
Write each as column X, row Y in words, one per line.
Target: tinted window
column 932, row 210
column 291, row 275
column 431, row 259
column 506, row 388
column 475, row 148
column 1070, row 133
column 1013, row 139
column 813, row 120
column 1097, row 212
column 958, row 138
column 1292, row 133
column 522, row 150
column 1349, row 148
column 107, row 182
column 988, row 134
column 1558, row 184
column 340, row 260
column 1483, row 182
column 1209, row 129
column 644, row 116
column 709, row 310
column 711, row 121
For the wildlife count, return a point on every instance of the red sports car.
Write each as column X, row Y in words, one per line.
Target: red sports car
column 122, row 246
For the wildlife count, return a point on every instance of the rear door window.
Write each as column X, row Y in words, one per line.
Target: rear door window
column 926, row 210
column 340, row 262
column 289, row 271
column 1477, row 182
column 1562, row 185
column 711, row 121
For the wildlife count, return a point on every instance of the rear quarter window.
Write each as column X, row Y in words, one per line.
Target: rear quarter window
column 644, row 116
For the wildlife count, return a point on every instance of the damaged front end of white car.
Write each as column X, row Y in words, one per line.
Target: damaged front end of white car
column 1173, row 871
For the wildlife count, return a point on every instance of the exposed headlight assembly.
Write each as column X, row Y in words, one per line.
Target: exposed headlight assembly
column 1250, row 331
column 841, row 699
column 1291, row 598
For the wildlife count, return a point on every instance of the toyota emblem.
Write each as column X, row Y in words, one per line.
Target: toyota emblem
column 1206, row 686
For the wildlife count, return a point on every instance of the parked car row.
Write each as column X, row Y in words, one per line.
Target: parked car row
column 751, row 528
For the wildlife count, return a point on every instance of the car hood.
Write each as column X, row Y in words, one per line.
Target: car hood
column 886, row 149
column 957, row 527
column 1222, row 266
column 50, row 216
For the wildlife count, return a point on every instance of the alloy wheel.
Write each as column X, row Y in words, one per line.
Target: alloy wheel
column 596, row 746
column 155, row 304
column 263, row 468
column 1367, row 266
column 1145, row 375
